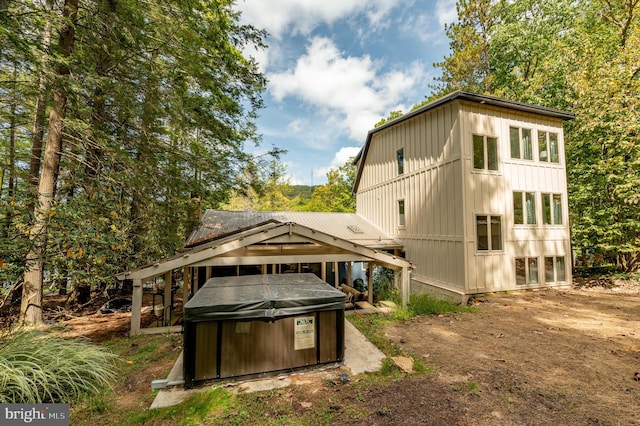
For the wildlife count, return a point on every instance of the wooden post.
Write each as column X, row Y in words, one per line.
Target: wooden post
column 336, row 275
column 208, row 273
column 168, row 283
column 349, row 280
column 186, row 283
column 196, row 276
column 370, row 279
column 406, row 284
column 136, row 307
column 323, row 271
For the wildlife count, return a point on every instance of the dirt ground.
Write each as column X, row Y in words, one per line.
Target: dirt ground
column 546, row 357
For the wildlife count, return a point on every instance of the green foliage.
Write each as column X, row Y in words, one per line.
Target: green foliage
column 337, row 194
column 421, row 304
column 160, row 104
column 573, row 55
column 392, row 116
column 35, row 368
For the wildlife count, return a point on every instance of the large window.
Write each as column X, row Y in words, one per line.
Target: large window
column 485, row 153
column 521, row 145
column 401, row 218
column 524, row 208
column 526, row 270
column 489, row 233
column 548, row 147
column 554, row 269
column 400, row 157
column 552, row 209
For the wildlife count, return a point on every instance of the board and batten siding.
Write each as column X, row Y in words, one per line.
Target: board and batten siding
column 431, row 187
column 491, row 193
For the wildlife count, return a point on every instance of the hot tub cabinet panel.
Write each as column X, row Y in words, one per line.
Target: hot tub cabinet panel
column 280, row 334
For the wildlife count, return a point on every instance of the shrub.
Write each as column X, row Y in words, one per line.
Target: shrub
column 36, row 367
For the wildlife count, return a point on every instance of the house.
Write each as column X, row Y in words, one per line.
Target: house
column 475, row 189
column 465, row 195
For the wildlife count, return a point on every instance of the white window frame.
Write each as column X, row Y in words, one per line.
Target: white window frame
column 524, row 197
column 490, row 244
column 555, row 268
column 554, row 214
column 527, row 270
column 547, row 145
column 400, row 161
column 485, row 153
column 402, row 215
column 521, row 144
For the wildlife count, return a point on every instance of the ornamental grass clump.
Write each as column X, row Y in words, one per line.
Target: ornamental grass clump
column 36, row 367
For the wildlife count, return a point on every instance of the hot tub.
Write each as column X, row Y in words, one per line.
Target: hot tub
column 261, row 324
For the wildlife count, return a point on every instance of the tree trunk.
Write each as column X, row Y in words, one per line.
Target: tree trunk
column 38, row 120
column 31, row 306
column 12, row 155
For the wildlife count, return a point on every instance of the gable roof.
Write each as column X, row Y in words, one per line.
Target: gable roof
column 216, row 224
column 457, row 95
column 272, row 231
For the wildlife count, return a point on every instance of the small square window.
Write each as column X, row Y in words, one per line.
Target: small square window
column 401, row 217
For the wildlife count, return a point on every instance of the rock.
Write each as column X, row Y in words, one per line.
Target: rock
column 404, row 363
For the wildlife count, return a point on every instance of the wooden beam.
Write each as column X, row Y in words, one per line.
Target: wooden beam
column 136, row 307
column 370, row 283
column 161, row 330
column 168, row 283
column 257, row 260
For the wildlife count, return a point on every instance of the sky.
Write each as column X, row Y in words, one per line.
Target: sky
column 335, row 68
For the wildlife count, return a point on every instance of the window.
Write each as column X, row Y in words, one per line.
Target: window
column 548, row 147
column 521, row 146
column 401, row 220
column 485, row 153
column 552, row 209
column 489, row 233
column 524, row 208
column 526, row 270
column 400, row 157
column 554, row 269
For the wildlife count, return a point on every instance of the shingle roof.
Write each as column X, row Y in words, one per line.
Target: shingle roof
column 216, row 224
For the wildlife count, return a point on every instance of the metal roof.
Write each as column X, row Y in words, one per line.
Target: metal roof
column 217, row 224
column 457, row 95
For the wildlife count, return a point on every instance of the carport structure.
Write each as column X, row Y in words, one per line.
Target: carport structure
column 265, row 242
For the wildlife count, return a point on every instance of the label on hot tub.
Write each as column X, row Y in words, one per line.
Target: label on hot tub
column 304, row 333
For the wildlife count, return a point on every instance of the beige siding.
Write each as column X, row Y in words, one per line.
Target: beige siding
column 431, row 187
column 492, row 193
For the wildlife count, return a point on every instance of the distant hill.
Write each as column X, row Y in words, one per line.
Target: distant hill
column 304, row 191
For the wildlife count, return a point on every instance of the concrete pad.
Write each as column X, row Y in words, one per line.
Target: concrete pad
column 360, row 356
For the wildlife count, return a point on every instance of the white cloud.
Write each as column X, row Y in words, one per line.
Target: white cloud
column 344, row 155
column 352, row 91
column 302, row 16
column 446, row 12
